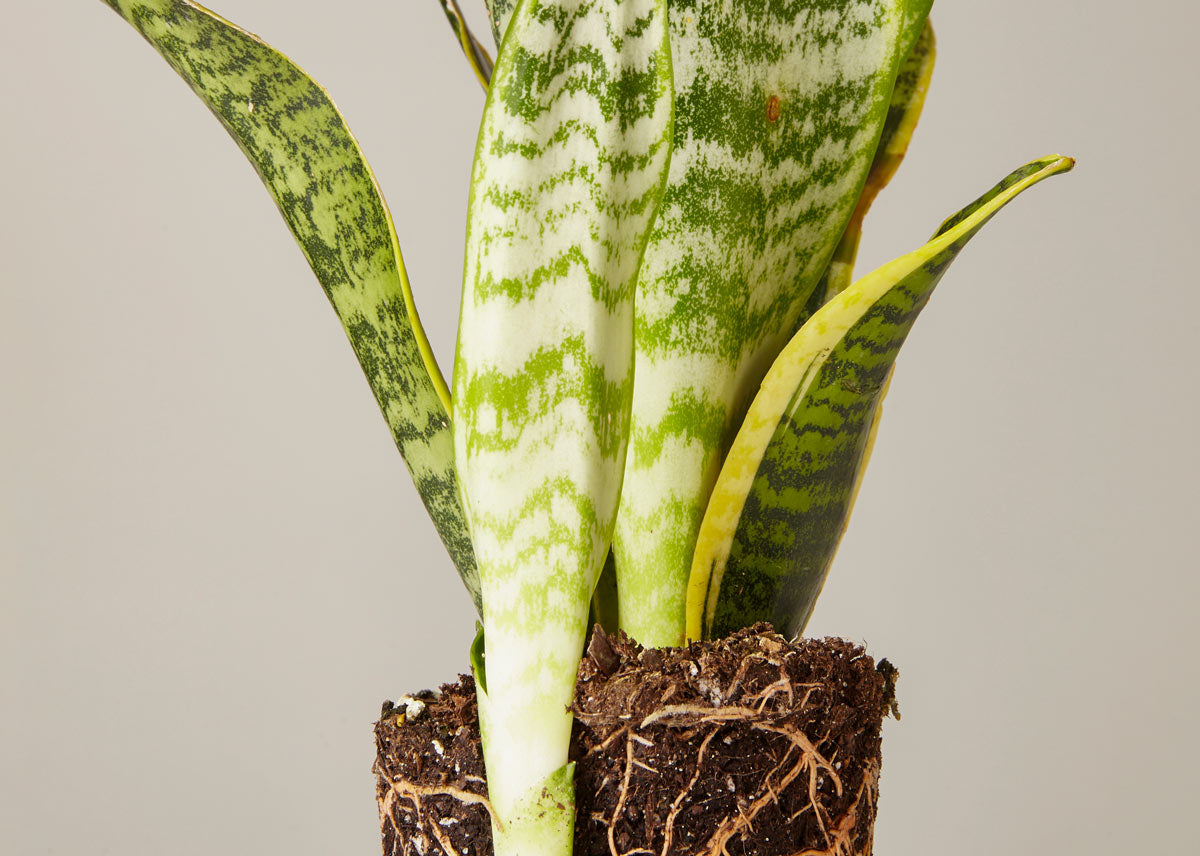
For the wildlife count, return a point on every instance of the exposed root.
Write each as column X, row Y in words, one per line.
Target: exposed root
column 416, row 795
column 621, row 797
column 740, row 675
column 608, row 741
column 809, row 760
column 755, row 746
column 784, row 684
column 690, row 714
column 385, row 812
column 442, row 839
column 669, row 832
column 841, row 836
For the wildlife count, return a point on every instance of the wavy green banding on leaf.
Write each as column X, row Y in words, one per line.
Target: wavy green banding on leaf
column 569, row 171
column 476, row 53
column 312, row 166
column 904, row 111
column 908, row 100
column 781, row 502
column 780, row 106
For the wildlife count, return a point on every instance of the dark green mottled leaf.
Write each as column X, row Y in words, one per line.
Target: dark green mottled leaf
column 781, row 502
column 311, row 164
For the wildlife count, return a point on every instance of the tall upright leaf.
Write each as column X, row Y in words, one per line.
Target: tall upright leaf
column 904, row 111
column 569, row 171
column 780, row 106
column 780, row 505
column 313, row 168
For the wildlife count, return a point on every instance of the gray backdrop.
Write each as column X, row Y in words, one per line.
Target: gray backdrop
column 214, row 566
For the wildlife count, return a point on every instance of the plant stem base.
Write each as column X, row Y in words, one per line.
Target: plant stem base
column 748, row 745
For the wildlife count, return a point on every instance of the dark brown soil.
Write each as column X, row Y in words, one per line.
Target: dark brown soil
column 750, row 745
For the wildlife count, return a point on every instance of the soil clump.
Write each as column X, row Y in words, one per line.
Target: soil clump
column 748, row 746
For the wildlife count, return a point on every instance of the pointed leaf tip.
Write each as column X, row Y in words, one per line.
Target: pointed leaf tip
column 787, row 487
column 312, row 166
column 755, row 207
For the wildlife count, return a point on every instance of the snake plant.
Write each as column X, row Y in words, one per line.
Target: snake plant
column 666, row 384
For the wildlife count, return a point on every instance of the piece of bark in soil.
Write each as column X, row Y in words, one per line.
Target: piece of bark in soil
column 748, row 745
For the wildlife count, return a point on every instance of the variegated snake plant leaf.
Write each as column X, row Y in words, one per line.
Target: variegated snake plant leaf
column 569, row 172
column 780, row 107
column 499, row 13
column 313, row 168
column 780, row 505
column 684, row 437
column 666, row 207
column 908, row 100
column 904, row 111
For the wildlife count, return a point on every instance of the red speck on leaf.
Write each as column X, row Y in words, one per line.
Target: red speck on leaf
column 773, row 109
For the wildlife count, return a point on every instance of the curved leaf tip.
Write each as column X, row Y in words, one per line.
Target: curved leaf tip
column 311, row 164
column 788, row 484
column 782, row 106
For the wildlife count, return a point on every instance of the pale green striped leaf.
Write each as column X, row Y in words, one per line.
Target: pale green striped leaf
column 569, row 171
column 476, row 54
column 781, row 503
column 904, row 111
column 312, row 166
column 780, row 105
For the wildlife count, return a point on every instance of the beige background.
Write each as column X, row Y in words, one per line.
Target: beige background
column 214, row 566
